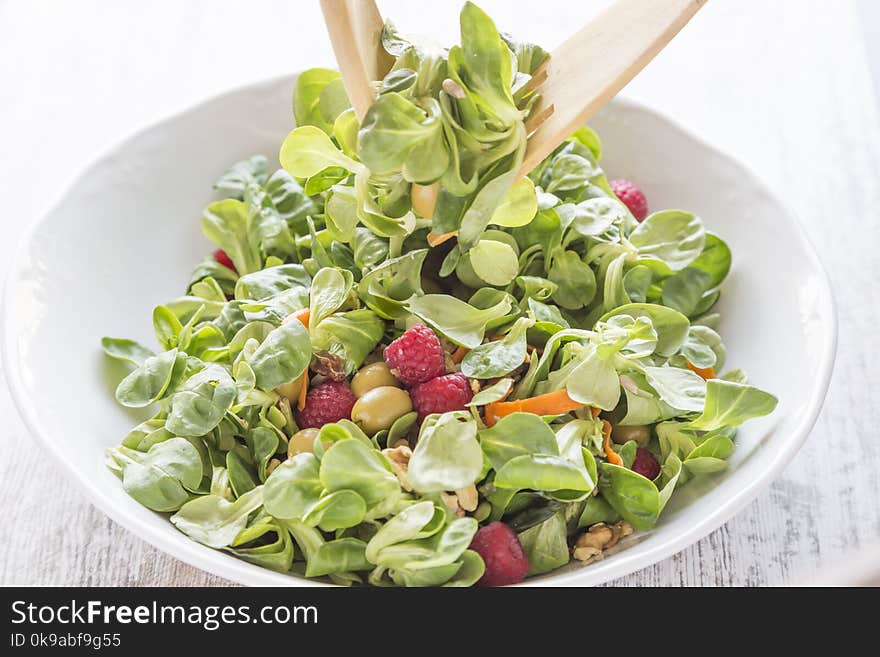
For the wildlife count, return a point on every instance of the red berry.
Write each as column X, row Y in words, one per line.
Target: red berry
column 221, row 257
column 441, row 394
column 631, row 196
column 506, row 561
column 646, row 464
column 328, row 402
column 416, row 356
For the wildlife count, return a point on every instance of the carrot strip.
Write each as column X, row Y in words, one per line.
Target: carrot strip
column 595, row 410
column 705, row 372
column 612, row 456
column 552, row 403
column 301, row 402
column 302, row 315
column 459, row 354
column 436, row 239
column 489, row 418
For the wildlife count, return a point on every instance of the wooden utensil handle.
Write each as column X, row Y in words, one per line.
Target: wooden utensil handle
column 588, row 69
column 355, row 28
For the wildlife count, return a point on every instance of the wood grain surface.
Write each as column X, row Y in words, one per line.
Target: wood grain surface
column 783, row 85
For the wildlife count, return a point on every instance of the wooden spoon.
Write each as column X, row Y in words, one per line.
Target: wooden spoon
column 588, row 70
column 355, row 28
column 582, row 74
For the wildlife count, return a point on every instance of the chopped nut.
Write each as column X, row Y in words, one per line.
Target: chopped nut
column 590, row 545
column 402, row 442
column 586, row 553
column 328, row 365
column 401, row 454
column 399, row 458
column 475, row 385
column 597, row 536
column 618, row 531
column 274, row 463
column 451, row 501
column 454, row 89
column 467, row 498
column 462, row 501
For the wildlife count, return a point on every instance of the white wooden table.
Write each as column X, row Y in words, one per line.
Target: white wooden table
column 781, row 84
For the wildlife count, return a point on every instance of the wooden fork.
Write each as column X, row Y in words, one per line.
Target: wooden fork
column 355, row 28
column 582, row 74
column 592, row 66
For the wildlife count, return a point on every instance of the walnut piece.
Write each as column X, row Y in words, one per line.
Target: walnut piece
column 451, row 501
column 467, row 498
column 454, row 89
column 399, row 458
column 590, row 545
column 462, row 501
column 586, row 554
column 328, row 365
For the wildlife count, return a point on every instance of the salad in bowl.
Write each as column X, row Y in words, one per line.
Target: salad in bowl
column 406, row 365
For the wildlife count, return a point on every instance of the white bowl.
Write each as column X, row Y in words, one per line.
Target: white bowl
column 126, row 235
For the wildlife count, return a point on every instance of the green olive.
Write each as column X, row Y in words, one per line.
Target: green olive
column 378, row 408
column 374, row 375
column 302, row 441
column 641, row 433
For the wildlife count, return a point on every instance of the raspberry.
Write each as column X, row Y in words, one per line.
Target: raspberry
column 444, row 393
column 416, row 356
column 221, row 257
column 506, row 561
column 328, row 402
column 646, row 464
column 631, row 196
